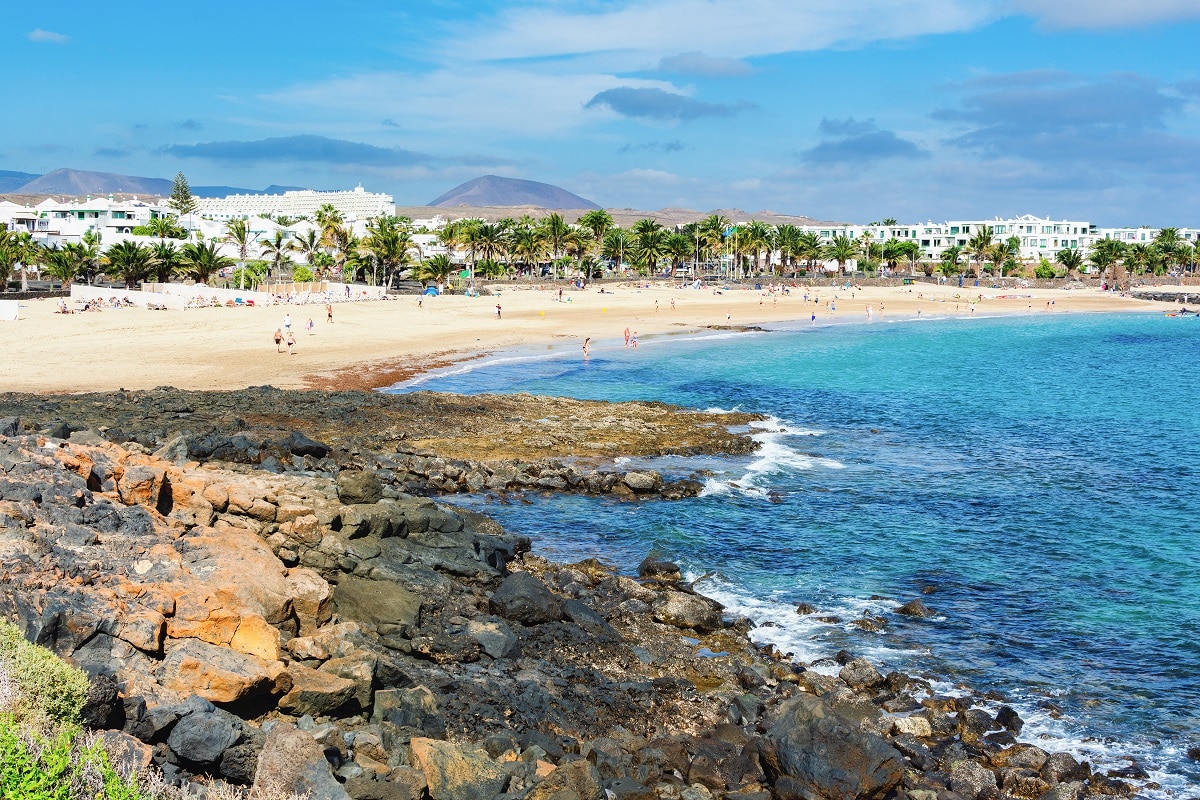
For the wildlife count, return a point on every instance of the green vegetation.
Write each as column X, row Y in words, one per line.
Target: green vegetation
column 181, row 198
column 42, row 683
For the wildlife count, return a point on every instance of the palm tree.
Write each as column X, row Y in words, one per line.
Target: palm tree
column 276, row 250
column 555, row 230
column 678, row 250
column 165, row 228
column 8, row 256
column 598, row 221
column 130, row 260
column 950, row 259
column 1105, row 253
column 650, row 243
column 615, row 245
column 528, row 246
column 237, row 232
column 808, row 247
column 1139, row 257
column 389, row 241
column 1001, row 254
column 841, row 250
column 712, row 233
column 26, row 251
column 757, row 237
column 485, row 240
column 577, row 244
column 1071, row 259
column 64, row 263
column 308, row 245
column 787, row 241
column 1170, row 246
column 167, row 260
column 202, row 259
column 436, row 268
column 978, row 246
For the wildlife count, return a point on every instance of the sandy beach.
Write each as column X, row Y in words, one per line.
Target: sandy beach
column 373, row 344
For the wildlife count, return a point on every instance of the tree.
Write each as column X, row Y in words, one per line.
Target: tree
column 436, row 268
column 757, row 237
column 787, row 241
column 165, row 228
column 615, row 245
column 598, row 221
column 181, row 198
column 528, row 246
column 950, row 260
column 130, row 260
column 238, row 233
column 202, row 259
column 167, row 261
column 25, row 252
column 91, row 240
column 978, row 246
column 555, row 230
column 1170, row 246
column 1105, row 254
column 276, row 250
column 64, row 263
column 389, row 240
column 8, row 256
column 1072, row 260
column 678, row 250
column 841, row 250
column 650, row 243
column 809, row 248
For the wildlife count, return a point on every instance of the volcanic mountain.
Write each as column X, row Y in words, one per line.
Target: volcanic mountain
column 79, row 182
column 492, row 190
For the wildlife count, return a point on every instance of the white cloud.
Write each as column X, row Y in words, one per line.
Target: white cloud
column 48, row 37
column 1106, row 13
column 479, row 101
column 719, row 28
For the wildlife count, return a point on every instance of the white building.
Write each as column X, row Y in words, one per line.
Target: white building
column 356, row 204
column 59, row 222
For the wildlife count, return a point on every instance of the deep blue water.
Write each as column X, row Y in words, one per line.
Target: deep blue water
column 1039, row 472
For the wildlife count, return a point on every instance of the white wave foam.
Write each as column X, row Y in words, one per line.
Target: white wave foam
column 774, row 456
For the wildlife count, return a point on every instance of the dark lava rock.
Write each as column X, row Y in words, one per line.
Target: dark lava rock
column 915, row 608
column 10, row 426
column 525, row 599
column 103, row 708
column 1011, row 721
column 805, row 609
column 300, row 445
column 356, row 486
column 655, row 569
column 812, row 752
column 202, row 736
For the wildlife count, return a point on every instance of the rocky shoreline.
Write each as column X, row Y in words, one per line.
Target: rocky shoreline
column 293, row 611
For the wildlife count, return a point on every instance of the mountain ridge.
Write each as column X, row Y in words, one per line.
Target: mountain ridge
column 67, row 181
column 497, row 191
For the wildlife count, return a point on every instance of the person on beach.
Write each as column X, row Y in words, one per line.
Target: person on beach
column 278, row 340
column 672, row 303
column 586, row 345
column 814, row 319
column 287, row 322
column 329, row 312
column 308, row 326
column 627, row 337
column 291, row 343
column 633, row 340
column 498, row 311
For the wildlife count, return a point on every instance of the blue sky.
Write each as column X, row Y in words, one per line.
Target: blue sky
column 838, row 109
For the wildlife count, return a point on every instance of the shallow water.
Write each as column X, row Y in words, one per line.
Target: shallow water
column 1037, row 474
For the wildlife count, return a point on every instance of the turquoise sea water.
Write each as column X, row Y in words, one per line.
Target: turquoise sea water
column 1040, row 472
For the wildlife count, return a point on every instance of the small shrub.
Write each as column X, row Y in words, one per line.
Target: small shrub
column 45, row 685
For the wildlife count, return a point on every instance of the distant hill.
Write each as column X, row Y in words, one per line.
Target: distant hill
column 11, row 181
column 83, row 182
column 492, row 190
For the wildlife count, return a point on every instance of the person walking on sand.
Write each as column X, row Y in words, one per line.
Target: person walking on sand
column 278, row 340
column 287, row 323
column 329, row 312
column 291, row 343
column 308, row 326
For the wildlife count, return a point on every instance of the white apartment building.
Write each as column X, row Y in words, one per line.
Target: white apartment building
column 1040, row 237
column 356, row 204
column 57, row 222
column 1145, row 235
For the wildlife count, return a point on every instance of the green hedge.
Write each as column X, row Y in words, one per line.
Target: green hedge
column 59, row 765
